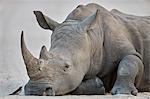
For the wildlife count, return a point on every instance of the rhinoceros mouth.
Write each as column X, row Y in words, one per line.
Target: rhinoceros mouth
column 17, row 92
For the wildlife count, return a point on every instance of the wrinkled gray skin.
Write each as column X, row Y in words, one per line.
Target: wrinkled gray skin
column 92, row 47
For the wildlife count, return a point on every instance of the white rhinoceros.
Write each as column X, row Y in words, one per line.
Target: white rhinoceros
column 92, row 52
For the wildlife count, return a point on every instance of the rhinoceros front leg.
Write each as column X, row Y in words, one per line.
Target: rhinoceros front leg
column 90, row 87
column 129, row 74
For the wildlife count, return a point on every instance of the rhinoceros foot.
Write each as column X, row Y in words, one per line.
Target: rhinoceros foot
column 124, row 88
column 92, row 86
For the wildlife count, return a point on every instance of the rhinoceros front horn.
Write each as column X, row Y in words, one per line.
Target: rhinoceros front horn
column 29, row 60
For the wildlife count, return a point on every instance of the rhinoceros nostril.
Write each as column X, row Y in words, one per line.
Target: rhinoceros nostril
column 48, row 92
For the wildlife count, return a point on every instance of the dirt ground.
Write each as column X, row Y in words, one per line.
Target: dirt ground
column 139, row 96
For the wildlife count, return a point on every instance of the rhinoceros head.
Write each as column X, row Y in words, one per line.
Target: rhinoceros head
column 60, row 70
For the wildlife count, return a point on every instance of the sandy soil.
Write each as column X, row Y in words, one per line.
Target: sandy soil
column 140, row 96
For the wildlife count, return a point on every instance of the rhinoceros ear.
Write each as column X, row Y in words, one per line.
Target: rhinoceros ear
column 44, row 54
column 44, row 21
column 91, row 21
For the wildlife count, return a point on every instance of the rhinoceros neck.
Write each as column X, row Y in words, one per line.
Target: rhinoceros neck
column 96, row 39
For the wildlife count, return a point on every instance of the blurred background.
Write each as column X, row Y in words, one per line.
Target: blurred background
column 17, row 15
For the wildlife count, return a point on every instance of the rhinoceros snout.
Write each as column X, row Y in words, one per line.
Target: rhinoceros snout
column 38, row 89
column 47, row 92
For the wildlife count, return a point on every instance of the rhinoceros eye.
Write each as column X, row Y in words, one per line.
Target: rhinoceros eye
column 66, row 67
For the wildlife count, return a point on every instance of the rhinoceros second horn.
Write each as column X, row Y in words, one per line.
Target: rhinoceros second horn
column 44, row 53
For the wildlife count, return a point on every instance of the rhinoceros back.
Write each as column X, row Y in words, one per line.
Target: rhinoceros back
column 138, row 28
